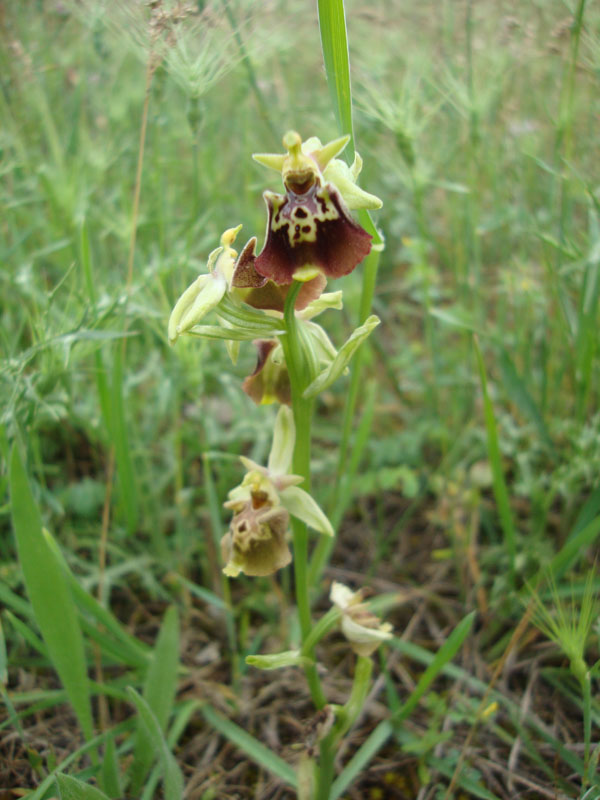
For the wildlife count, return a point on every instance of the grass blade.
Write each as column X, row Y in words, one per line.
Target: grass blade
column 518, row 392
column 72, row 789
column 42, row 789
column 445, row 654
column 173, row 779
column 50, row 597
column 120, row 437
column 111, row 778
column 127, row 648
column 334, row 43
column 159, row 693
column 251, row 746
column 361, row 758
column 499, row 483
column 573, row 548
column 385, row 729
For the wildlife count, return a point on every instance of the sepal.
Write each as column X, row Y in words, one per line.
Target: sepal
column 342, row 359
column 302, row 506
column 289, row 658
column 344, row 179
column 198, row 299
column 284, row 438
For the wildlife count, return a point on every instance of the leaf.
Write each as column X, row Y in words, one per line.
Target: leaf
column 334, row 43
column 341, row 361
column 72, row 789
column 370, row 747
column 50, row 597
column 3, row 659
column 111, row 777
column 251, row 746
column 498, row 481
column 121, row 431
column 40, row 792
column 159, row 694
column 385, row 729
column 456, row 317
column 173, row 779
column 127, row 648
column 573, row 548
column 519, row 394
column 445, row 654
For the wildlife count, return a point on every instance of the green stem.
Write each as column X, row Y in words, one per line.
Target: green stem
column 321, row 629
column 346, row 719
column 325, row 544
column 300, row 376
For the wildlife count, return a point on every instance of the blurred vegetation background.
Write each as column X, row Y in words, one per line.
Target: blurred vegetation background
column 478, row 126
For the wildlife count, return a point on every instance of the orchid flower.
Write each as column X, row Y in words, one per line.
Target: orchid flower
column 360, row 626
column 207, row 290
column 310, row 231
column 256, row 542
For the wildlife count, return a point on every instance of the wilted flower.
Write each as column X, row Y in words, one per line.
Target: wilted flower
column 256, row 541
column 310, row 230
column 360, row 626
column 270, row 381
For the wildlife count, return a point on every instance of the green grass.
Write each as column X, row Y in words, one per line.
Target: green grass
column 478, row 129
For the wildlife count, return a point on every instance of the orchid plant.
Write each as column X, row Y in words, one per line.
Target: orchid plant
column 272, row 298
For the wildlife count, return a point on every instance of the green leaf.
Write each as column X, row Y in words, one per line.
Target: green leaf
column 251, row 746
column 385, row 729
column 3, row 659
column 121, row 432
column 126, row 648
column 341, row 361
column 50, row 597
column 334, row 42
column 370, row 747
column 573, row 548
column 456, row 317
column 499, row 482
column 173, row 779
column 72, row 789
column 111, row 777
column 73, row 757
column 445, row 654
column 159, row 694
column 518, row 392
